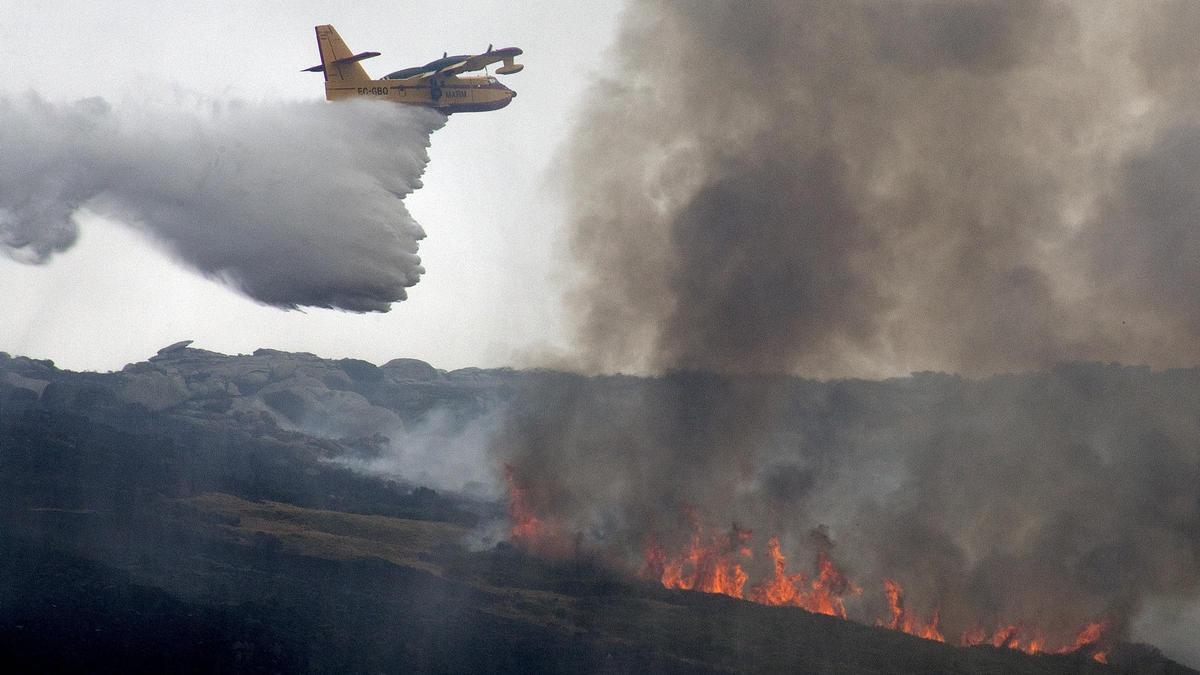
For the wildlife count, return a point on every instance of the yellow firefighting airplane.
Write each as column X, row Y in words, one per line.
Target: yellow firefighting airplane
column 434, row 85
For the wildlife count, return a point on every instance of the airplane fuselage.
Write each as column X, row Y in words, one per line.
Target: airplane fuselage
column 450, row 94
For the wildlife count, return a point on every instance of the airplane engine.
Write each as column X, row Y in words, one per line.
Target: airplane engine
column 509, row 67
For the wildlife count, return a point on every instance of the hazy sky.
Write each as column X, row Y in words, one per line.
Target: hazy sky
column 494, row 254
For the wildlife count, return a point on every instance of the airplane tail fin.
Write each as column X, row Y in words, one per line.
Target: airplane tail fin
column 338, row 63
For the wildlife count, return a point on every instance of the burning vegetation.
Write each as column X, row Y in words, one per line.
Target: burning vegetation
column 526, row 529
column 905, row 621
column 822, row 595
column 709, row 563
column 714, row 561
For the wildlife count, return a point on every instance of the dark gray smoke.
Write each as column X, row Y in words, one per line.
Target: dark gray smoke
column 840, row 188
column 294, row 204
column 862, row 188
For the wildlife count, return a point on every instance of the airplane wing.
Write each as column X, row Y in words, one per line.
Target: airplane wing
column 420, row 73
column 464, row 64
column 456, row 68
column 481, row 61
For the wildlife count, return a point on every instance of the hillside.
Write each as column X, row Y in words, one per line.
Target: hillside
column 192, row 512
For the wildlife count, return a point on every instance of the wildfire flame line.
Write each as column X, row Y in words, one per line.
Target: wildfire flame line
column 1011, row 636
column 712, row 563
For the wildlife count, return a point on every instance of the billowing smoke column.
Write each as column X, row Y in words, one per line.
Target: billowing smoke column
column 294, row 204
column 863, row 188
column 867, row 188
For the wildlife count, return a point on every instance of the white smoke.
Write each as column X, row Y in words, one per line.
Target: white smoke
column 294, row 204
column 442, row 451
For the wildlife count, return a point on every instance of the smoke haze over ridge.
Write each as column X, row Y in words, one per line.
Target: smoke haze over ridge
column 1044, row 500
column 293, row 204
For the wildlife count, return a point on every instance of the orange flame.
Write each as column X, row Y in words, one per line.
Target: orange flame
column 542, row 536
column 708, row 564
column 1007, row 637
column 905, row 621
column 526, row 529
column 1087, row 641
column 823, row 595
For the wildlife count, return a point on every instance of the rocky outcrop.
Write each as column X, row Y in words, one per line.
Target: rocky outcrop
column 25, row 373
column 411, row 369
column 155, row 390
column 328, row 398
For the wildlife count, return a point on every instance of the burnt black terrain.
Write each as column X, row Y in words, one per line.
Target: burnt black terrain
column 182, row 515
